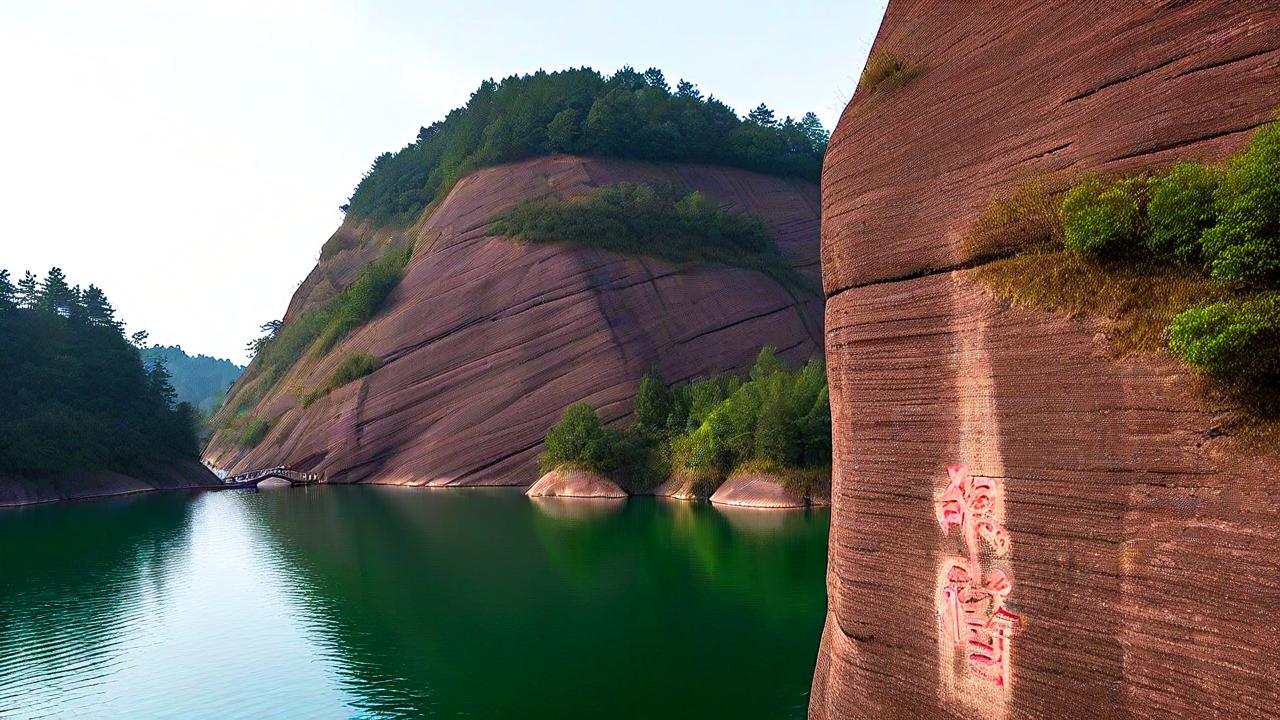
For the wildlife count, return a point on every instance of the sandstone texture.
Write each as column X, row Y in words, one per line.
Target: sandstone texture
column 486, row 340
column 564, row 483
column 756, row 491
column 1123, row 558
column 180, row 475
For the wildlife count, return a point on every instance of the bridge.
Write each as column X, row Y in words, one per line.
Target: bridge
column 251, row 479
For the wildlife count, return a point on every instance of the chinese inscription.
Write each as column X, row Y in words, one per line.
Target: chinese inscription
column 975, row 626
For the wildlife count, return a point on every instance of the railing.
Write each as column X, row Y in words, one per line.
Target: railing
column 286, row 473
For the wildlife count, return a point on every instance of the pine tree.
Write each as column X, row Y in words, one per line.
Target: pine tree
column 7, row 292
column 686, row 89
column 28, row 291
column 98, row 310
column 655, row 78
column 55, row 294
column 160, row 383
column 818, row 135
column 762, row 115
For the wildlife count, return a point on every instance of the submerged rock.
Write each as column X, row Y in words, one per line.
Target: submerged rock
column 562, row 483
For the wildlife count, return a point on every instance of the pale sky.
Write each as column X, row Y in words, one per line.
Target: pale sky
column 189, row 157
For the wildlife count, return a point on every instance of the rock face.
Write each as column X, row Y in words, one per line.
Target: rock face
column 1024, row 526
column 756, row 491
column 181, row 475
column 574, row 484
column 486, row 340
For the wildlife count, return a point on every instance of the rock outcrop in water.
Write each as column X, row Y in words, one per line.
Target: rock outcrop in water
column 1024, row 526
column 486, row 340
column 756, row 491
column 565, row 483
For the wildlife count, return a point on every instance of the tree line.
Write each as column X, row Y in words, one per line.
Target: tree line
column 78, row 395
column 628, row 114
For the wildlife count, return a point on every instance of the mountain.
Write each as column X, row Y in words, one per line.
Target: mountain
column 485, row 339
column 1127, row 544
column 200, row 380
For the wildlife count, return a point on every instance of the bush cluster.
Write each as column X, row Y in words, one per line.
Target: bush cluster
column 628, row 114
column 248, row 430
column 1223, row 221
column 638, row 219
column 777, row 421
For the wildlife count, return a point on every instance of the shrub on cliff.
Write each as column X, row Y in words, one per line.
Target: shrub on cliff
column 1238, row 341
column 1242, row 248
column 1102, row 219
column 1180, row 209
column 352, row 368
column 638, row 219
column 886, row 71
column 628, row 114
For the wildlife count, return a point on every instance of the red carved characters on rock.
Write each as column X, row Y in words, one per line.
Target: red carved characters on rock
column 972, row 616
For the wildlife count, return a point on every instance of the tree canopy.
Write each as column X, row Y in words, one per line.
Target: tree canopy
column 78, row 396
column 628, row 114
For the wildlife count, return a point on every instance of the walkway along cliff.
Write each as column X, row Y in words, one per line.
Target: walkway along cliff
column 486, row 340
column 1025, row 525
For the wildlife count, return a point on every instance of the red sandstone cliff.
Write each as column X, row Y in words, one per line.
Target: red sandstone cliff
column 486, row 340
column 1139, row 559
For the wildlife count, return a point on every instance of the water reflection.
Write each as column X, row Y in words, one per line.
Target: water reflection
column 388, row 602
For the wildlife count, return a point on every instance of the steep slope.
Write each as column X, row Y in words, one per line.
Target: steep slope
column 1024, row 526
column 486, row 340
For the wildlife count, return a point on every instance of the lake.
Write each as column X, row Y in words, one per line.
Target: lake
column 383, row 602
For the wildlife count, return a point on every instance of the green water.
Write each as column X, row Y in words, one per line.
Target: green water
column 388, row 603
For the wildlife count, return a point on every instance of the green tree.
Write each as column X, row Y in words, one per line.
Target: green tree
column 762, row 115
column 55, row 294
column 1181, row 208
column 98, row 310
column 8, row 293
column 653, row 404
column 766, row 363
column 28, row 291
column 581, row 440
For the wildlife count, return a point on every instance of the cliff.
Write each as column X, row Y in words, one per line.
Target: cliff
column 1024, row 525
column 486, row 340
column 177, row 475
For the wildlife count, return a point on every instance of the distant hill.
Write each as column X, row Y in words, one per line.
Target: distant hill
column 200, row 380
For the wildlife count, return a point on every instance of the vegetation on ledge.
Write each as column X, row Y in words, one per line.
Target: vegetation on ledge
column 662, row 223
column 317, row 330
column 628, row 114
column 886, row 71
column 352, row 368
column 777, row 421
column 1187, row 260
column 77, row 394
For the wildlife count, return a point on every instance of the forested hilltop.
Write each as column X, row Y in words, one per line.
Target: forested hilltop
column 77, row 394
column 629, row 114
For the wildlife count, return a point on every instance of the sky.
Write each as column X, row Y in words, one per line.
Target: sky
column 189, row 157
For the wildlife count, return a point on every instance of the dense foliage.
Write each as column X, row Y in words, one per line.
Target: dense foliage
column 1224, row 222
column 628, row 114
column 662, row 223
column 352, row 368
column 198, row 379
column 77, row 394
column 777, row 422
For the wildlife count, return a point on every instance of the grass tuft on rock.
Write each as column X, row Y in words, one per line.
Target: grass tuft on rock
column 886, row 71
